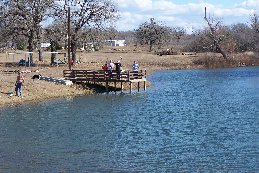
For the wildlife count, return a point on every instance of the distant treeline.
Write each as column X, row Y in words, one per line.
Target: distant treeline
column 25, row 24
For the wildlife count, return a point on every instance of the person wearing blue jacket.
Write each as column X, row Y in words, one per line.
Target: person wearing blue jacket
column 135, row 68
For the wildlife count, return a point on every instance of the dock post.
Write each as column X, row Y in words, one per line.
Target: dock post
column 106, row 86
column 94, row 77
column 130, row 87
column 121, row 86
column 145, row 84
column 115, row 86
column 138, row 86
column 128, row 75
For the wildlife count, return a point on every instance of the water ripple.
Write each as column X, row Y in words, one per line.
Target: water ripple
column 188, row 121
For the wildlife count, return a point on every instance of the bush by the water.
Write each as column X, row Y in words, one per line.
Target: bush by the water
column 237, row 60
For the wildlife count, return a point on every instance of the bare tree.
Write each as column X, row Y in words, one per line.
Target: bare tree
column 86, row 13
column 217, row 38
column 153, row 33
column 95, row 37
column 24, row 17
column 128, row 36
column 179, row 32
column 3, row 22
column 255, row 28
column 55, row 33
column 243, row 36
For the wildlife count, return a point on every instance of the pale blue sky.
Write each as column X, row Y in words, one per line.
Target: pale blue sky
column 183, row 13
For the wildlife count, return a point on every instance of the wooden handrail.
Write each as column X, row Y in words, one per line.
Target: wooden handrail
column 101, row 75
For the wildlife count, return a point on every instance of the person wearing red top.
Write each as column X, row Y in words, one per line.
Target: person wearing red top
column 105, row 67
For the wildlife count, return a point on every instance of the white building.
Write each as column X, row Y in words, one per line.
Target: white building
column 45, row 45
column 116, row 42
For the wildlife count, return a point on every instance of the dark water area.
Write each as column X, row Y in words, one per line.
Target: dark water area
column 188, row 121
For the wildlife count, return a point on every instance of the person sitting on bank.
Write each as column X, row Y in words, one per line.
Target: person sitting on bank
column 135, row 68
column 19, row 83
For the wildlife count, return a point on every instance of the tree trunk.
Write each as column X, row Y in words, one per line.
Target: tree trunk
column 39, row 38
column 214, row 35
column 30, row 47
column 150, row 47
column 40, row 54
column 222, row 52
column 53, row 49
column 73, row 47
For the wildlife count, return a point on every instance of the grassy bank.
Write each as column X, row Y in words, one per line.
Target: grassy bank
column 35, row 90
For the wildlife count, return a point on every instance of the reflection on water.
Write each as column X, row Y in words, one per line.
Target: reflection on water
column 188, row 121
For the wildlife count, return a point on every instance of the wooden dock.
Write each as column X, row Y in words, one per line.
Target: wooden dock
column 102, row 76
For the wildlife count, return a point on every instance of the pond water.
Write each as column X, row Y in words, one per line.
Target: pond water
column 188, row 121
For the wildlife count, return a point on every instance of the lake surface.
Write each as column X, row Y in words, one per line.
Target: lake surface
column 188, row 121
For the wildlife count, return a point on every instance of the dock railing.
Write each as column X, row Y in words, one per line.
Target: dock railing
column 104, row 76
column 96, row 76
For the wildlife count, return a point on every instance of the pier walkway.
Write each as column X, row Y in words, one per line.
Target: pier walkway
column 102, row 76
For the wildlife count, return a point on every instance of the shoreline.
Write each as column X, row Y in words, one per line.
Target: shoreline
column 38, row 90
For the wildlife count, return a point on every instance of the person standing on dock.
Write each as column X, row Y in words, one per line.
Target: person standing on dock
column 135, row 68
column 19, row 83
column 118, row 69
column 110, row 68
column 105, row 67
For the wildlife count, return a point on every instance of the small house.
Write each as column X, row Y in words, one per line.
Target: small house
column 116, row 42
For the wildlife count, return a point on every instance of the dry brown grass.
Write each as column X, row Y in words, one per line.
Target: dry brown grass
column 35, row 90
column 236, row 60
